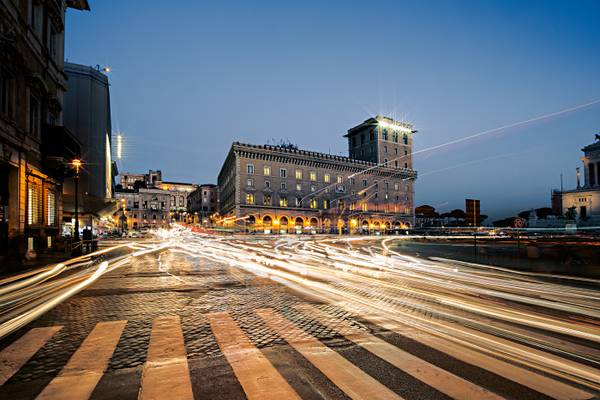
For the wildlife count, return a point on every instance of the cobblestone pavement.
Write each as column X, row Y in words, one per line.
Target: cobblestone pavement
column 174, row 284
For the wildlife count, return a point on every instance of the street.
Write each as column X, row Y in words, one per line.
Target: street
column 187, row 315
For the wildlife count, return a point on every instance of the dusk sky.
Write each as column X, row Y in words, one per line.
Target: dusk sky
column 188, row 78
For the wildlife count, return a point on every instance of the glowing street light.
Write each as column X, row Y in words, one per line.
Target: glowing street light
column 76, row 163
column 119, row 146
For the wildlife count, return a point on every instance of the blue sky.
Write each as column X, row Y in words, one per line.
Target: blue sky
column 188, row 78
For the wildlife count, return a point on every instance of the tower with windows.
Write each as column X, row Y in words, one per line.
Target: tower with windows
column 382, row 140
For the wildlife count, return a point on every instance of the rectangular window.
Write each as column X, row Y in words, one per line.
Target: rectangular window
column 313, row 203
column 340, row 179
column 34, row 116
column 283, row 202
column 283, row 185
column 325, row 204
column 266, row 170
column 396, row 186
column 250, row 182
column 326, row 178
column 267, row 184
column 365, row 207
column 299, row 187
column 51, row 199
column 352, row 181
column 313, row 176
column 298, row 201
column 250, row 169
column 267, row 200
column 298, row 174
column 364, row 183
column 282, row 173
column 6, row 95
column 313, row 188
column 249, row 198
column 33, row 205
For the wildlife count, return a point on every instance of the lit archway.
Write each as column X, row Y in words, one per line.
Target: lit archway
column 283, row 224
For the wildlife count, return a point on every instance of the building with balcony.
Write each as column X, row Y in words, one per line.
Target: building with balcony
column 203, row 203
column 285, row 189
column 35, row 147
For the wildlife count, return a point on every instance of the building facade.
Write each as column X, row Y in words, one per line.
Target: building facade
column 203, row 203
column 87, row 115
column 35, row 147
column 585, row 198
column 145, row 200
column 284, row 189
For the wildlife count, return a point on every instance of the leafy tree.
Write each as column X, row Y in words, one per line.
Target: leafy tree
column 571, row 213
column 543, row 212
column 458, row 214
column 506, row 222
column 524, row 214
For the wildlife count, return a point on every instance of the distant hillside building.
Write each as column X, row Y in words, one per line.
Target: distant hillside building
column 285, row 189
column 585, row 198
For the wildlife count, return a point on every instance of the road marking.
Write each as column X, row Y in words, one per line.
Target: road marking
column 13, row 357
column 438, row 378
column 86, row 366
column 522, row 376
column 255, row 373
column 345, row 375
column 166, row 373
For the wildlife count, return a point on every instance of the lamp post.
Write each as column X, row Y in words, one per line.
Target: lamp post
column 77, row 164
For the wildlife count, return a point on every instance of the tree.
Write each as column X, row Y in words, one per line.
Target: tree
column 426, row 211
column 543, row 212
column 506, row 222
column 524, row 214
column 571, row 213
column 458, row 214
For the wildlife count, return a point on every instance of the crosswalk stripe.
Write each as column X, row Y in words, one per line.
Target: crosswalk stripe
column 436, row 377
column 86, row 366
column 540, row 383
column 345, row 375
column 13, row 357
column 254, row 371
column 165, row 373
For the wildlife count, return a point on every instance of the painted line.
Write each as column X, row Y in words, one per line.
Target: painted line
column 345, row 375
column 438, row 378
column 540, row 383
column 77, row 380
column 254, row 371
column 13, row 357
column 166, row 374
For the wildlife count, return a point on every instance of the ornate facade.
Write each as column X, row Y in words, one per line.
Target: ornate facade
column 284, row 189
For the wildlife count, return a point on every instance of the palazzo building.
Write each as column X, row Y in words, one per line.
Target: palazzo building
column 585, row 198
column 202, row 203
column 284, row 189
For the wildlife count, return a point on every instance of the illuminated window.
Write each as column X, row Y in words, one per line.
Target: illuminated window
column 266, row 170
column 249, row 198
column 298, row 201
column 298, row 174
column 267, row 200
column 340, row 179
column 250, row 182
column 313, row 176
column 365, row 207
column 341, row 205
column 326, row 178
column 33, row 204
column 250, row 168
column 313, row 188
column 299, row 187
column 313, row 203
column 325, row 204
column 51, row 208
column 396, row 186
column 282, row 173
column 283, row 201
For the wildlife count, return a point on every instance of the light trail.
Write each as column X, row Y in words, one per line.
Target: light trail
column 521, row 318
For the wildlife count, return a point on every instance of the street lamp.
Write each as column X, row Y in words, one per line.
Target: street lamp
column 76, row 163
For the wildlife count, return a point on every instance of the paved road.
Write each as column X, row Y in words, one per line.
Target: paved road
column 239, row 317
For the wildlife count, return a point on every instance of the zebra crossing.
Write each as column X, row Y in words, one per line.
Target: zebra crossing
column 166, row 372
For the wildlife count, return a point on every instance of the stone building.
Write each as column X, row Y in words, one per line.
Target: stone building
column 35, row 147
column 585, row 198
column 285, row 189
column 203, row 202
column 151, row 202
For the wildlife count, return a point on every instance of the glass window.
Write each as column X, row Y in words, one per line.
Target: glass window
column 365, row 207
column 250, row 168
column 298, row 201
column 299, row 187
column 313, row 203
column 340, row 179
column 325, row 204
column 396, row 186
column 326, row 178
column 283, row 185
column 405, row 139
column 267, row 184
column 250, row 182
column 249, row 198
column 283, row 201
column 266, row 170
column 352, row 181
column 282, row 173
column 313, row 176
column 267, row 200
column 385, row 134
column 298, row 174
column 364, row 183
column 313, row 188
